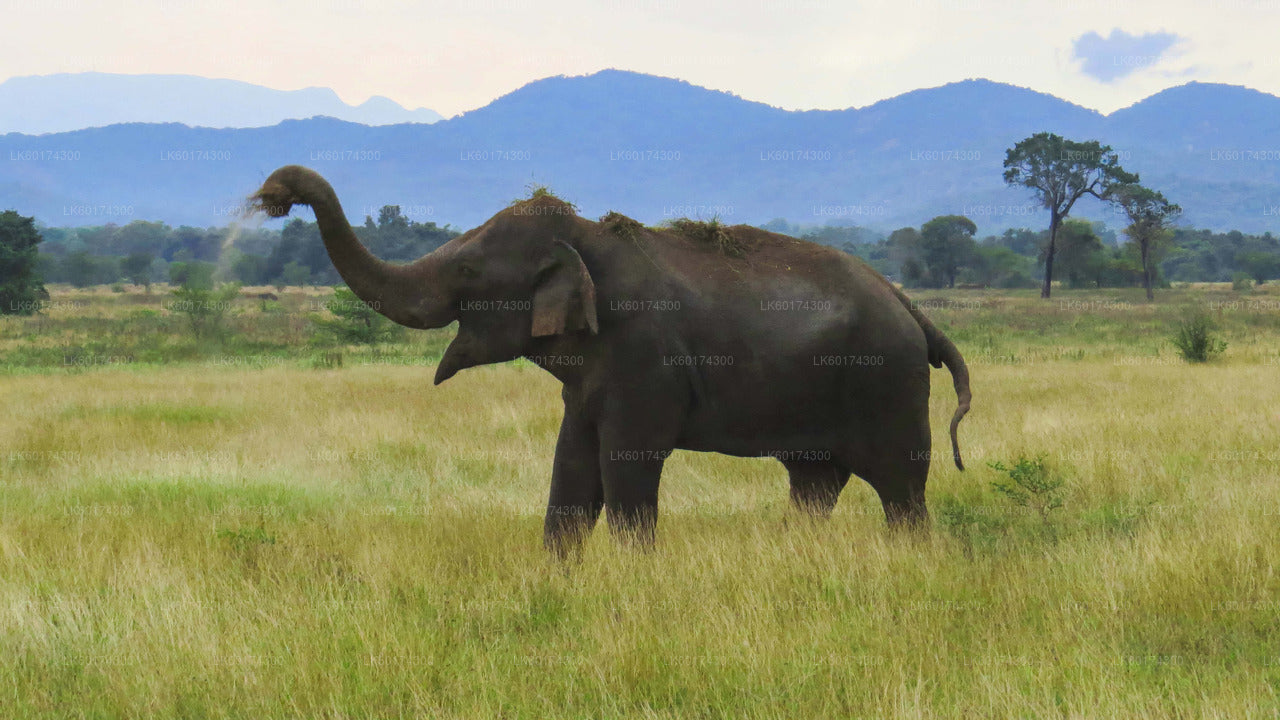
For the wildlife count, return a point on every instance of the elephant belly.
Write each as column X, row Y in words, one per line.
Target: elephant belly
column 748, row 414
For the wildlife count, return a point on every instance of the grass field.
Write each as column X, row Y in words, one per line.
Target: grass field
column 190, row 530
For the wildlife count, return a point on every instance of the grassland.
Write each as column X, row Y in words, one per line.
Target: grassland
column 233, row 529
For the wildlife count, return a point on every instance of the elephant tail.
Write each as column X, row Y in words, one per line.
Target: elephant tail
column 944, row 352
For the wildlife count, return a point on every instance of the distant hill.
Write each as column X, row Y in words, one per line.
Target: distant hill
column 72, row 101
column 657, row 148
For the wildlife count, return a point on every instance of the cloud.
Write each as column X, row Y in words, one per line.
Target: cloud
column 1120, row 54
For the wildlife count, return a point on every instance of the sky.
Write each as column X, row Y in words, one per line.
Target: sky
column 798, row 54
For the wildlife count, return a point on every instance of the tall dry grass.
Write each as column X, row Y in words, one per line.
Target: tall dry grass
column 205, row 541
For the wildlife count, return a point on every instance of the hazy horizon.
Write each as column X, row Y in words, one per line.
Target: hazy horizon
column 809, row 54
column 409, row 107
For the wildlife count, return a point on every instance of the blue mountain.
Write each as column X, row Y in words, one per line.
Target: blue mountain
column 657, row 148
column 70, row 101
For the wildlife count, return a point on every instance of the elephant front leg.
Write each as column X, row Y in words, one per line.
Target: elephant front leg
column 630, row 473
column 632, row 454
column 576, row 492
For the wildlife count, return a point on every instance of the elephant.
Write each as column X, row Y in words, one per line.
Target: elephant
column 694, row 336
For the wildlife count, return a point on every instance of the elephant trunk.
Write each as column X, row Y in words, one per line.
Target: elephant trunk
column 407, row 294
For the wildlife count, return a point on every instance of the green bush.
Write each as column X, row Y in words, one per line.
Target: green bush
column 1029, row 483
column 205, row 309
column 972, row 524
column 354, row 322
column 1241, row 282
column 1195, row 340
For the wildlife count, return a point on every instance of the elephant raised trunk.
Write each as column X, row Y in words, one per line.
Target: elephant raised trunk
column 407, row 294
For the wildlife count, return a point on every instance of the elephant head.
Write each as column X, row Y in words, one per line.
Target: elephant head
column 515, row 278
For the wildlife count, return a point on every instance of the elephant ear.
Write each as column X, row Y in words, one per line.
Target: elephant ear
column 565, row 297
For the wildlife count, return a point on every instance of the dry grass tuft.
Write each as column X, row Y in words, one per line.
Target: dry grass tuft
column 712, row 233
column 542, row 201
column 621, row 225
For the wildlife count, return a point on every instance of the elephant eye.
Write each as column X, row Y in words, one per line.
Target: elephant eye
column 468, row 272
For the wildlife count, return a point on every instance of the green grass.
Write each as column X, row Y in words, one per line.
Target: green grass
column 184, row 538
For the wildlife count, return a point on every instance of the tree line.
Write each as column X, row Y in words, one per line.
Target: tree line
column 946, row 252
column 1059, row 172
column 144, row 252
column 943, row 252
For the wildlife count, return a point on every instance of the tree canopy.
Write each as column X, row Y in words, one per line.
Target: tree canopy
column 21, row 289
column 1059, row 172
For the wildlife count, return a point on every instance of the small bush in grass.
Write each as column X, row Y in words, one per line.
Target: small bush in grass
column 354, row 322
column 1241, row 282
column 1029, row 483
column 974, row 526
column 206, row 309
column 1195, row 340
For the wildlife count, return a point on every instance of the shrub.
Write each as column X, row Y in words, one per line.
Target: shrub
column 1195, row 340
column 205, row 309
column 973, row 525
column 1029, row 483
column 1241, row 282
column 354, row 322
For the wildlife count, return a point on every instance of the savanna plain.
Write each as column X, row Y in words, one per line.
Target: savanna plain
column 251, row 525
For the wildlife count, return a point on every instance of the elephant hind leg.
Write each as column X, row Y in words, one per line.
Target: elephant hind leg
column 895, row 462
column 898, row 474
column 816, row 486
column 903, row 501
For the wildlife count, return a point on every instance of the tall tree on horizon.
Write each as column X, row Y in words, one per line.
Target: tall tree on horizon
column 1149, row 217
column 947, row 244
column 1059, row 172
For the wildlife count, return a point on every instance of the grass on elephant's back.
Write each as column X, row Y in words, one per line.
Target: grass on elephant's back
column 179, row 541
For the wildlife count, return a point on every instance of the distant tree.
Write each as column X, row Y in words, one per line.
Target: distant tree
column 300, row 243
column 1027, row 243
column 96, row 240
column 296, row 274
column 21, row 289
column 839, row 235
column 138, row 236
column 997, row 266
column 782, row 227
column 1261, row 266
column 1080, row 252
column 946, row 243
column 193, row 243
column 192, row 274
column 137, row 268
column 1059, row 172
column 249, row 269
column 80, row 269
column 905, row 251
column 1149, row 215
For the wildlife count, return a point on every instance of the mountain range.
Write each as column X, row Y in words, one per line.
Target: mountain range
column 657, row 148
column 63, row 102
